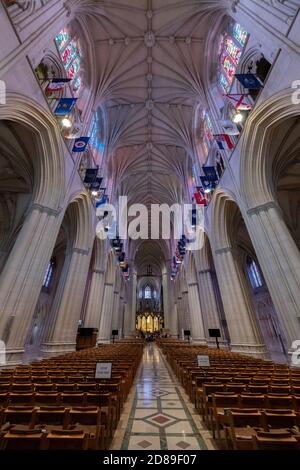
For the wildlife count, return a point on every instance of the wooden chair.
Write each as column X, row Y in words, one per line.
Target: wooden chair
column 87, row 387
column 21, row 398
column 52, row 417
column 279, row 418
column 75, row 398
column 67, row 440
column 21, row 439
column 21, row 415
column 46, row 398
column 89, row 420
column 271, row 441
column 280, row 401
column 65, row 387
column 220, row 402
column 241, row 426
column 252, row 400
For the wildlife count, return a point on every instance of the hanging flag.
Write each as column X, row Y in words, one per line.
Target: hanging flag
column 210, row 173
column 57, row 84
column 206, row 183
column 65, row 106
column 90, row 175
column 80, row 144
column 200, row 200
column 95, row 186
column 102, row 200
column 224, row 141
column 229, row 127
column 249, row 80
column 203, row 194
column 239, row 101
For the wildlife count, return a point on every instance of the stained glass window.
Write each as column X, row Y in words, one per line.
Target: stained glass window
column 94, row 133
column 49, row 273
column 148, row 294
column 228, row 66
column 62, row 39
column 230, row 55
column 208, row 128
column 70, row 55
column 240, row 34
column 254, row 274
column 232, row 50
column 224, row 83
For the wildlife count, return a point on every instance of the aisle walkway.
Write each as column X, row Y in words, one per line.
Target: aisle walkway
column 158, row 415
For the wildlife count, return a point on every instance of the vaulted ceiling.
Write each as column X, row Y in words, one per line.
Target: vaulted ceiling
column 150, row 58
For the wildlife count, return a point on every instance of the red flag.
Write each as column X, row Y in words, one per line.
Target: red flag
column 200, row 200
column 239, row 101
column 224, row 138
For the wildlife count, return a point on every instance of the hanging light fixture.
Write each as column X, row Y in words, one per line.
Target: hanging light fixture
column 66, row 122
column 237, row 118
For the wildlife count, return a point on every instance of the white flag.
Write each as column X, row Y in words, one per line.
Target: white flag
column 229, row 127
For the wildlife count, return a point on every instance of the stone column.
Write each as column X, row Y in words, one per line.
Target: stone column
column 173, row 326
column 22, row 277
column 180, row 316
column 106, row 314
column 115, row 311
column 94, row 306
column 242, row 324
column 209, row 304
column 197, row 328
column 129, row 327
column 279, row 260
column 133, row 298
column 166, row 297
column 186, row 316
column 68, row 303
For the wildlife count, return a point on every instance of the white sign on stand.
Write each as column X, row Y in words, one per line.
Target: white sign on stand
column 203, row 361
column 103, row 370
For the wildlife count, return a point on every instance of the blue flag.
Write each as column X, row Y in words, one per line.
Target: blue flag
column 210, row 173
column 249, row 80
column 90, row 175
column 80, row 144
column 103, row 200
column 65, row 106
column 205, row 182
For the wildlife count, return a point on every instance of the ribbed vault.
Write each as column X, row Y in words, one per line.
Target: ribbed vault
column 150, row 75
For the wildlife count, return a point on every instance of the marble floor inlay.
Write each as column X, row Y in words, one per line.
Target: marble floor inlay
column 158, row 414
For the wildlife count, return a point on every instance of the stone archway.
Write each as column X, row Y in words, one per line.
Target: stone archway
column 30, row 242
column 266, row 182
column 243, row 327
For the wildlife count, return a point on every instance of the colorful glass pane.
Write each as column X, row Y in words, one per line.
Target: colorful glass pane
column 208, row 128
column 74, row 68
column 224, row 83
column 77, row 84
column 70, row 54
column 62, row 39
column 232, row 50
column 240, row 34
column 228, row 66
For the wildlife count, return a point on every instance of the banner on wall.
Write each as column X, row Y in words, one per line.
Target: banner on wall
column 57, row 84
column 229, row 127
column 224, row 141
column 80, row 144
column 249, row 80
column 64, row 106
column 239, row 101
column 210, row 173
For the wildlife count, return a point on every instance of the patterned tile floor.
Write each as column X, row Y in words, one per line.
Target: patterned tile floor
column 158, row 414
